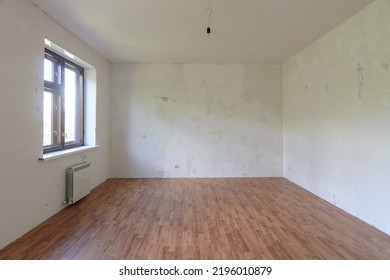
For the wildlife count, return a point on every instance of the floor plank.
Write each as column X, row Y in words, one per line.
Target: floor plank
column 246, row 218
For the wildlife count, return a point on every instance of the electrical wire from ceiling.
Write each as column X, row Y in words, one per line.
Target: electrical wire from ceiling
column 209, row 12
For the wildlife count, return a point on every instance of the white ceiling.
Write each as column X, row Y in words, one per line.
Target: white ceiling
column 174, row 31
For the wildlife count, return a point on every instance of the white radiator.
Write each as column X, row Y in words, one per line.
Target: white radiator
column 77, row 182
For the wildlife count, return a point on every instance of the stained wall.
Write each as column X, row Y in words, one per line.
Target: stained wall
column 196, row 120
column 336, row 116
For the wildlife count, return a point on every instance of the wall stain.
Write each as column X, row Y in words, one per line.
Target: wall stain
column 161, row 173
column 209, row 97
column 306, row 89
column 385, row 65
column 228, row 110
column 327, row 88
column 166, row 99
column 250, row 92
column 360, row 79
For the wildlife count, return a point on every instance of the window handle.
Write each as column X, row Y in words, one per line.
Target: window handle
column 55, row 133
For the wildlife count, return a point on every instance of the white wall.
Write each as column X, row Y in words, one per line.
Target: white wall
column 336, row 116
column 209, row 120
column 30, row 190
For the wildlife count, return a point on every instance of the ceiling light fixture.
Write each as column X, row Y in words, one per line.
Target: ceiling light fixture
column 209, row 12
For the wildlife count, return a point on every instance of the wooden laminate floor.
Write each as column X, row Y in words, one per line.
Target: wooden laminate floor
column 259, row 218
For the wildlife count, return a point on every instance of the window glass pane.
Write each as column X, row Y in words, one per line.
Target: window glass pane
column 63, row 103
column 47, row 118
column 71, row 104
column 49, row 70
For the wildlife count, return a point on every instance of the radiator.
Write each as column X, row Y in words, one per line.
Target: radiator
column 77, row 182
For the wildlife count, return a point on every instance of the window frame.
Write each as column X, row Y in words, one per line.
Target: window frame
column 57, row 89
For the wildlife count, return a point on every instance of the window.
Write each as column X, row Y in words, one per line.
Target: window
column 63, row 103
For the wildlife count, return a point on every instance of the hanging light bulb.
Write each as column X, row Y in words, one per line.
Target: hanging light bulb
column 208, row 31
column 209, row 12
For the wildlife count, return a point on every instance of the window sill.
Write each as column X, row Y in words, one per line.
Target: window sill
column 64, row 153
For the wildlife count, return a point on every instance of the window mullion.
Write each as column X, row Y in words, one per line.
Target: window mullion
column 80, row 105
column 62, row 103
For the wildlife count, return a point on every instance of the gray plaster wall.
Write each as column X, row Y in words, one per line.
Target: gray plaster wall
column 196, row 120
column 336, row 116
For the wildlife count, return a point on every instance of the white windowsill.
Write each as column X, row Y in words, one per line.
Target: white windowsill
column 64, row 153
